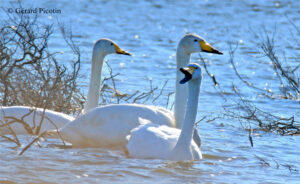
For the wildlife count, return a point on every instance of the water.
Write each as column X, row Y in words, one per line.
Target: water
column 151, row 30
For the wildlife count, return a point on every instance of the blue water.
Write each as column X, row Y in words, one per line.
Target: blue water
column 151, row 31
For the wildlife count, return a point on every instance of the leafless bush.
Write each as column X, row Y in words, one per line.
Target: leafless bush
column 286, row 71
column 111, row 95
column 29, row 73
column 248, row 113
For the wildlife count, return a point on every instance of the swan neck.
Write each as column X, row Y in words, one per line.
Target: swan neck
column 182, row 57
column 186, row 135
column 181, row 91
column 95, row 80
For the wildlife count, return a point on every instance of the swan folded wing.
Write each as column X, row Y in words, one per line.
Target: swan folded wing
column 152, row 141
column 156, row 141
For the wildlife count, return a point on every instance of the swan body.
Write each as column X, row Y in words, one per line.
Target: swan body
column 161, row 138
column 108, row 126
column 101, row 48
column 162, row 142
column 32, row 117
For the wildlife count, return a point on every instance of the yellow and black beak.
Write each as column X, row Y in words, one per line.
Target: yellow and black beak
column 121, row 51
column 206, row 47
column 188, row 74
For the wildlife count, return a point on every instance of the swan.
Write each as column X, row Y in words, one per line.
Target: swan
column 108, row 126
column 52, row 119
column 161, row 142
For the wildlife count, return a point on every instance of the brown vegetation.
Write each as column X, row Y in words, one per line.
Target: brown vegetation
column 242, row 108
column 29, row 73
column 247, row 112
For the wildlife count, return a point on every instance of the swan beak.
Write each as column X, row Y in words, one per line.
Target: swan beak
column 188, row 73
column 121, row 51
column 206, row 47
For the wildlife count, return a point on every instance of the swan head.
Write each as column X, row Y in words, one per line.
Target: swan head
column 191, row 72
column 192, row 43
column 107, row 46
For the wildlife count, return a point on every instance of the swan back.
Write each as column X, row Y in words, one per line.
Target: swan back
column 32, row 117
column 109, row 125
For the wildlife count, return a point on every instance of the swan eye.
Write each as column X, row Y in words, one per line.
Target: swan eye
column 195, row 40
column 111, row 44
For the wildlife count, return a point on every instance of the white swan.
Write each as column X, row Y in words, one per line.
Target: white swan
column 108, row 126
column 53, row 120
column 162, row 142
column 190, row 43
